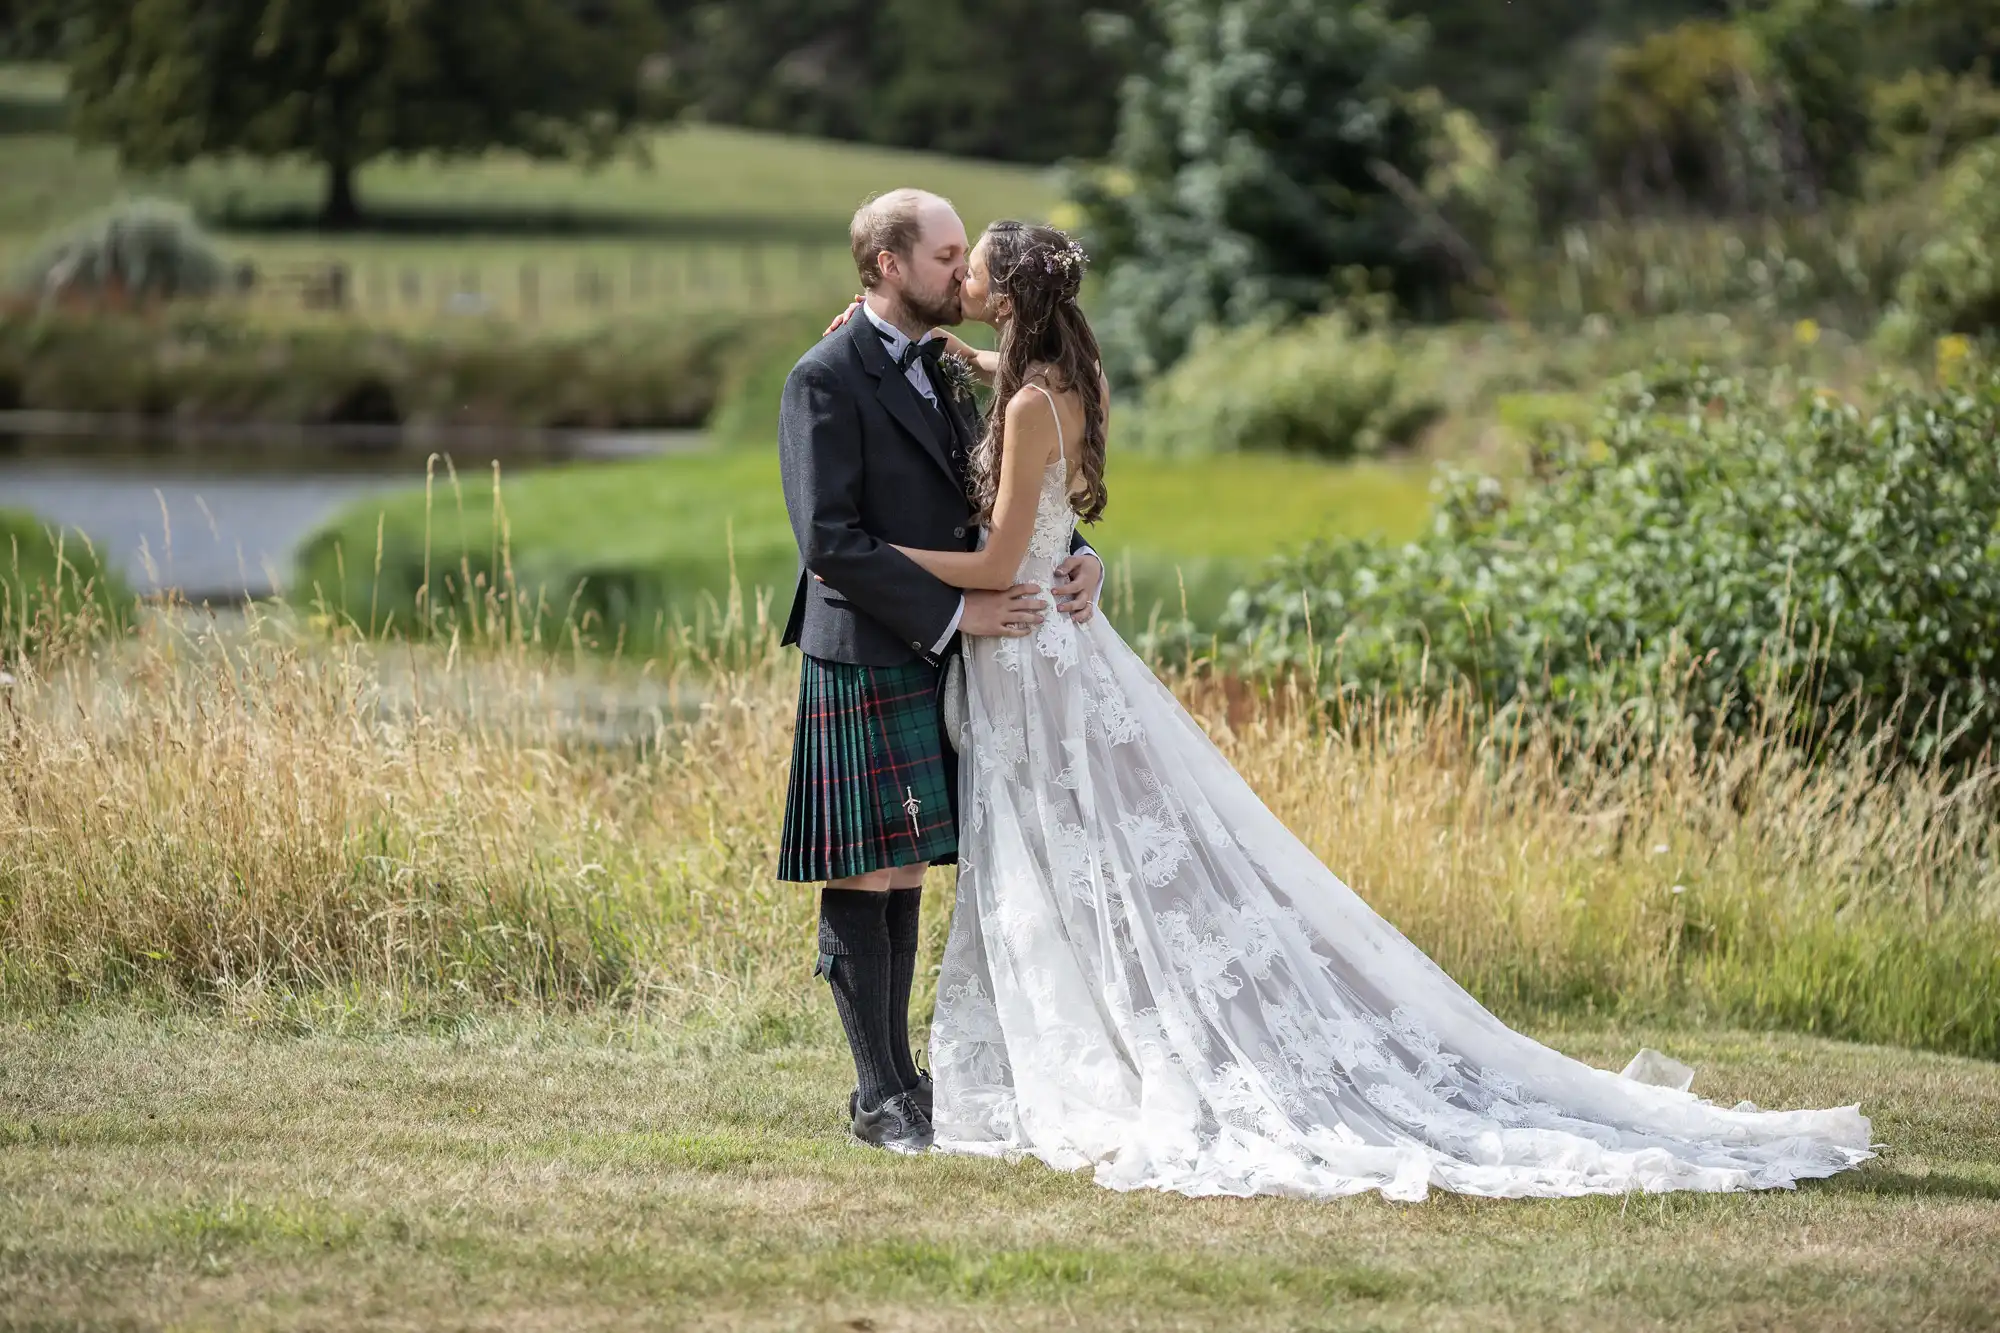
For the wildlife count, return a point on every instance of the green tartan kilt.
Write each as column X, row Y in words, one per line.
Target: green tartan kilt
column 873, row 781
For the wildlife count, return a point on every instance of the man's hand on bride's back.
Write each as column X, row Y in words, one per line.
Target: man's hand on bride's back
column 1012, row 614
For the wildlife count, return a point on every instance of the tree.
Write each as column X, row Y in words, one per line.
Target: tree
column 1494, row 59
column 798, row 66
column 346, row 81
column 1958, row 35
column 1021, row 80
column 31, row 29
column 1265, row 152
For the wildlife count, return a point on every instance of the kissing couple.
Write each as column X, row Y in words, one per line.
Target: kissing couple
column 1147, row 974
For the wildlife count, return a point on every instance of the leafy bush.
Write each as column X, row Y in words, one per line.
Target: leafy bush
column 1708, row 547
column 1691, row 112
column 1923, row 120
column 139, row 250
column 53, row 584
column 1760, row 114
column 1954, row 285
column 1317, row 388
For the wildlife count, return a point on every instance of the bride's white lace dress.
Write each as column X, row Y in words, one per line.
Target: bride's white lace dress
column 1149, row 976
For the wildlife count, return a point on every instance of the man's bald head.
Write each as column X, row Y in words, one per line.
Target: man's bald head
column 910, row 246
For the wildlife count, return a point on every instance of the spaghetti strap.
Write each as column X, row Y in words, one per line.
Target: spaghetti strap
column 1062, row 450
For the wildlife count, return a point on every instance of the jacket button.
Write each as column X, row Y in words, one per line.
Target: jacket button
column 918, row 646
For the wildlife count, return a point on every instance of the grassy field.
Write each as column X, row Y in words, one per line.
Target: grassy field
column 696, row 216
column 349, row 985
column 523, row 1173
column 256, row 819
column 648, row 541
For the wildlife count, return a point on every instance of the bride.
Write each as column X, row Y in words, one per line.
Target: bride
column 1149, row 976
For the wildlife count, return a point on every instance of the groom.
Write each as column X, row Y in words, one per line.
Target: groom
column 874, row 445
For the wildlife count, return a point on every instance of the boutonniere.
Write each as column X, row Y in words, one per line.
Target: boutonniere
column 957, row 378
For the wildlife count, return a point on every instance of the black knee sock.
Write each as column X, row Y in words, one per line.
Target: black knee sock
column 854, row 958
column 905, row 909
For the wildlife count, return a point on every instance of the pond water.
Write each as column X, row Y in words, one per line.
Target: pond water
column 217, row 523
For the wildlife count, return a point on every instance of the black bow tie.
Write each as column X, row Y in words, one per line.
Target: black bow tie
column 927, row 352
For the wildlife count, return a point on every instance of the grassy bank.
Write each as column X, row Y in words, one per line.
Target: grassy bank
column 260, row 824
column 218, row 366
column 628, row 548
column 634, row 546
column 50, row 579
column 528, row 1174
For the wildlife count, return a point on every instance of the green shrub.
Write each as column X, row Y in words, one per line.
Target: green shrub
column 1317, row 388
column 1709, row 546
column 53, row 585
column 1954, row 285
column 1923, row 120
column 1761, row 113
column 138, row 250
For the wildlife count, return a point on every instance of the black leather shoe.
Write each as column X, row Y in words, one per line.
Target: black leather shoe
column 897, row 1125
column 921, row 1094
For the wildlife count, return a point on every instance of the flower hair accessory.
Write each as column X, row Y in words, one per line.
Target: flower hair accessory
column 1068, row 259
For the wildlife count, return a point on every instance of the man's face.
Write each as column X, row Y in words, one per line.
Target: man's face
column 931, row 279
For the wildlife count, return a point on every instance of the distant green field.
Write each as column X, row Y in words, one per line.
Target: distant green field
column 698, row 215
column 652, row 539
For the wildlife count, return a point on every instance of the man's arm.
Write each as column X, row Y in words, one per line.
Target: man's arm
column 819, row 451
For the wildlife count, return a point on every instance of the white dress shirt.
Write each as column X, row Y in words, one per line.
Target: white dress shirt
column 897, row 341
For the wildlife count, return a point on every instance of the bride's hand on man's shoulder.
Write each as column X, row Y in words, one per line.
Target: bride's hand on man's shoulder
column 840, row 320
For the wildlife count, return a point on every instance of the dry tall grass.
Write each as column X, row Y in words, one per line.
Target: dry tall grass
column 273, row 817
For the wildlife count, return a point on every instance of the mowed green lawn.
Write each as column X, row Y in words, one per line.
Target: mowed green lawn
column 537, row 1174
column 674, row 524
column 674, row 222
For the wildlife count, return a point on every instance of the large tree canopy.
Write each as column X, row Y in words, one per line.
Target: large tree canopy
column 1016, row 79
column 346, row 81
column 31, row 29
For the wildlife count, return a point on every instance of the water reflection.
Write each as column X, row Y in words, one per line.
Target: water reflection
column 222, row 521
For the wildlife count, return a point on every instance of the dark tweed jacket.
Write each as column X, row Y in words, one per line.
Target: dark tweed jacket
column 863, row 470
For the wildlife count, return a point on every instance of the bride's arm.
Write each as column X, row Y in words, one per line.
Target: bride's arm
column 1031, row 447
column 985, row 366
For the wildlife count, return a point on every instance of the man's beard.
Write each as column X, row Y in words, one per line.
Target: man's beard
column 946, row 307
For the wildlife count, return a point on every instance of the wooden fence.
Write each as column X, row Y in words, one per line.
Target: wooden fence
column 748, row 277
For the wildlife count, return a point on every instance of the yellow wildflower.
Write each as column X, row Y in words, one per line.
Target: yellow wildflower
column 1952, row 351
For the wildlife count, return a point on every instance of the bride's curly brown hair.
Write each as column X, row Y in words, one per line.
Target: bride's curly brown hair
column 1040, row 272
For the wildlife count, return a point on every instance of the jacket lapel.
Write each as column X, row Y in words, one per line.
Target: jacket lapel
column 966, row 427
column 894, row 390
